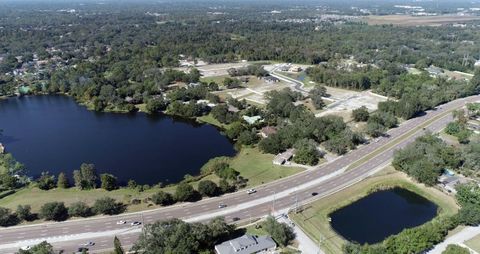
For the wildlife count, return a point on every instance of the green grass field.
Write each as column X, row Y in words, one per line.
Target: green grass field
column 474, row 243
column 314, row 217
column 258, row 167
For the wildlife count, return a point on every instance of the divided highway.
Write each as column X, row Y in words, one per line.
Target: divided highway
column 279, row 195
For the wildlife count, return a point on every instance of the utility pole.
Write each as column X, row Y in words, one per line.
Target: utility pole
column 296, row 201
column 273, row 205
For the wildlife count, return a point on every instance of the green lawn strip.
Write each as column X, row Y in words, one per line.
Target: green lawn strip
column 313, row 218
column 258, row 167
column 211, row 120
column 474, row 243
column 395, row 141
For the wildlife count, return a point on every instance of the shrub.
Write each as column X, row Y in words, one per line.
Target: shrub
column 107, row 206
column 163, row 198
column 54, row 211
column 79, row 209
column 208, row 188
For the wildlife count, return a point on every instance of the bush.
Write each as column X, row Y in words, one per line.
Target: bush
column 360, row 114
column 163, row 198
column 54, row 211
column 24, row 212
column 108, row 206
column 62, row 181
column 46, row 181
column 109, row 182
column 208, row 188
column 79, row 209
column 185, row 192
column 469, row 215
column 7, row 218
column 455, row 249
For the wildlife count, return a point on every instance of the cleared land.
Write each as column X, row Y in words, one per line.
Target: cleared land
column 407, row 20
column 313, row 218
column 474, row 243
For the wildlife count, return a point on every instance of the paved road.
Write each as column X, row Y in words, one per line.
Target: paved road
column 282, row 194
column 458, row 238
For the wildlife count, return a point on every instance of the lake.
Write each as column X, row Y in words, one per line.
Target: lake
column 381, row 214
column 54, row 133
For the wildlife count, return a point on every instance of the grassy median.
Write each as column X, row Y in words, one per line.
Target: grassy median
column 313, row 218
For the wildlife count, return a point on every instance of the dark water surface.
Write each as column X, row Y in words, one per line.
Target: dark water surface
column 53, row 133
column 381, row 214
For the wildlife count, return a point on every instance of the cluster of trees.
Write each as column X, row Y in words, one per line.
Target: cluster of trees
column 57, row 211
column 426, row 158
column 316, row 95
column 280, row 232
column 12, row 173
column 249, row 70
column 177, row 236
column 357, row 79
column 458, row 128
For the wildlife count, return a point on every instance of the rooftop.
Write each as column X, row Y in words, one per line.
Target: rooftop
column 246, row 244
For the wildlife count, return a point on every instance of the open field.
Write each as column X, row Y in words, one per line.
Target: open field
column 313, row 217
column 474, row 243
column 407, row 20
column 258, row 167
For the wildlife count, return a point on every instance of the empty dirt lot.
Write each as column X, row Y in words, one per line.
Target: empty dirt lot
column 407, row 20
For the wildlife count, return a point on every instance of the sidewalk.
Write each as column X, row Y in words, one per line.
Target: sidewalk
column 457, row 238
column 305, row 244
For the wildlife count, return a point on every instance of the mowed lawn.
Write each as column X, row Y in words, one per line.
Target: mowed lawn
column 474, row 243
column 258, row 167
column 314, row 219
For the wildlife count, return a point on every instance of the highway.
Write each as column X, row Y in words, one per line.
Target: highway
column 275, row 196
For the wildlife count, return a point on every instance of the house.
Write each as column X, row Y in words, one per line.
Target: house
column 295, row 69
column 434, row 71
column 271, row 79
column 282, row 158
column 247, row 244
column 233, row 109
column 252, row 119
column 267, row 131
column 449, row 182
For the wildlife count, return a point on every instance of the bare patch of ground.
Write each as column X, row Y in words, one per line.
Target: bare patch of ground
column 407, row 20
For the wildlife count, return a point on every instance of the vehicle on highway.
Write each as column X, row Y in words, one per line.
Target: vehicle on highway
column 251, row 191
column 235, row 219
column 82, row 250
column 88, row 244
column 121, row 222
column 314, row 193
column 222, row 205
column 28, row 247
column 136, row 223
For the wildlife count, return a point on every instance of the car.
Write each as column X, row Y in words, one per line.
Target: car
column 88, row 244
column 121, row 222
column 235, row 219
column 26, row 247
column 82, row 250
column 136, row 223
column 314, row 193
column 222, row 205
column 251, row 191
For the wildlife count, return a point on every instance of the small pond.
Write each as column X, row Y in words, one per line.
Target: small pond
column 54, row 133
column 381, row 214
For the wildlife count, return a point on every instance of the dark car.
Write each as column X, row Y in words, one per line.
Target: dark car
column 235, row 219
column 314, row 193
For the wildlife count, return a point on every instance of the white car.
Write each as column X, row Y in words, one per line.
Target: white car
column 121, row 222
column 222, row 205
column 251, row 191
column 25, row 248
column 135, row 223
column 88, row 244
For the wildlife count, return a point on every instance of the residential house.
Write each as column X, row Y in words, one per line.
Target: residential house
column 434, row 71
column 295, row 69
column 449, row 182
column 283, row 158
column 252, row 119
column 247, row 244
column 267, row 131
column 271, row 79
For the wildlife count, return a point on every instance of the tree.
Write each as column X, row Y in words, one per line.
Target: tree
column 248, row 138
column 24, row 212
column 225, row 187
column 41, row 248
column 46, row 181
column 117, row 246
column 185, row 192
column 280, row 232
column 469, row 215
column 86, row 177
column 155, row 105
column 455, row 249
column 468, row 194
column 54, row 211
column 62, row 181
column 306, row 152
column 316, row 94
column 163, row 198
column 108, row 182
column 7, row 218
column 360, row 114
column 79, row 209
column 107, row 206
column 208, row 188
